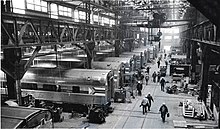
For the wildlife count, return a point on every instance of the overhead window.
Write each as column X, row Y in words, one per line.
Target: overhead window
column 76, row 15
column 96, row 18
column 82, row 15
column 175, row 37
column 142, row 29
column 170, row 30
column 64, row 11
column 54, row 12
column 38, row 5
column 102, row 20
column 91, row 18
column 112, row 22
column 175, row 30
column 106, row 20
column 18, row 6
column 168, row 37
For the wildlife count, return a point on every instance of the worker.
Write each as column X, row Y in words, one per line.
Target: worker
column 158, row 76
column 164, row 111
column 154, row 75
column 162, row 83
column 166, row 63
column 148, row 69
column 144, row 104
column 158, row 63
column 165, row 55
column 147, row 78
column 139, row 87
column 139, row 79
column 150, row 98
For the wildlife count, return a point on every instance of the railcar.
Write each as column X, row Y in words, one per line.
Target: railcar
column 135, row 59
column 145, row 54
column 139, row 56
column 125, row 60
column 127, row 64
column 77, row 86
column 93, row 89
column 117, row 69
column 59, row 60
column 22, row 117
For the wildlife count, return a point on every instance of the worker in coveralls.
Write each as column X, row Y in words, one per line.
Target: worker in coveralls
column 144, row 104
column 164, row 111
column 139, row 79
column 150, row 98
column 162, row 83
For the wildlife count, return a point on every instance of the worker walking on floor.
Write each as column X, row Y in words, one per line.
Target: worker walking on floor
column 148, row 69
column 158, row 63
column 150, row 98
column 139, row 78
column 154, row 75
column 158, row 76
column 147, row 78
column 164, row 111
column 144, row 104
column 162, row 83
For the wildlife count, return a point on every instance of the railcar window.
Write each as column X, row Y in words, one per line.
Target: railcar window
column 31, row 86
column 36, row 119
column 60, row 88
column 76, row 89
column 48, row 87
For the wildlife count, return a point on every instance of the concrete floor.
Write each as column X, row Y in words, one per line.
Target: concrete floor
column 129, row 115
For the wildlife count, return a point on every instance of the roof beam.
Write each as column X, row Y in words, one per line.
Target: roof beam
column 160, row 8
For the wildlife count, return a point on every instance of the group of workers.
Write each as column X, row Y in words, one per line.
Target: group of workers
column 146, row 105
column 148, row 99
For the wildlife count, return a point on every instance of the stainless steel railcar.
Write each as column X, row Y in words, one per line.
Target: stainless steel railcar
column 23, row 117
column 135, row 62
column 117, row 59
column 139, row 59
column 115, row 67
column 118, row 69
column 60, row 60
column 76, row 86
column 89, row 88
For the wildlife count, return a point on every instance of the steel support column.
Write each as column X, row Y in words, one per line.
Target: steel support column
column 135, row 62
column 89, row 52
column 141, row 65
column 219, row 116
column 11, row 66
column 188, row 49
column 193, row 61
column 145, row 41
column 18, row 91
column 11, row 87
column 205, row 73
column 130, row 43
column 117, row 49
